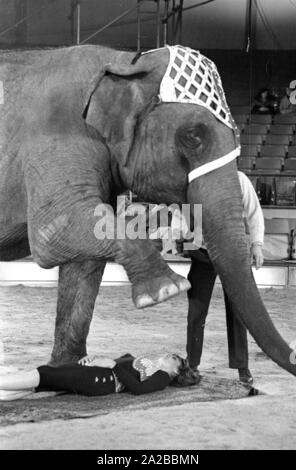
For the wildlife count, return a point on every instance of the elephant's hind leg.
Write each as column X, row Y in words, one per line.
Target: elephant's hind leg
column 77, row 291
column 15, row 251
column 14, row 243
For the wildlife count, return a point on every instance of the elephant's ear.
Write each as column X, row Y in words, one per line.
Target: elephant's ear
column 123, row 97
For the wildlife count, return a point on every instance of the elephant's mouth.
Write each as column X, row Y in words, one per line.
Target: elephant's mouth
column 225, row 238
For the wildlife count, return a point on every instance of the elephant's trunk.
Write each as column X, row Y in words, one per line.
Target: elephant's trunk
column 224, row 235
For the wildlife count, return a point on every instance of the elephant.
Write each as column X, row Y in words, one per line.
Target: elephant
column 80, row 125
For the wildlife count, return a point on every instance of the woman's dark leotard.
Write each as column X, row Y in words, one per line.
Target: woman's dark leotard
column 95, row 381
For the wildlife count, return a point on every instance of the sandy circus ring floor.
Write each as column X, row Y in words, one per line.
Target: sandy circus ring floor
column 171, row 419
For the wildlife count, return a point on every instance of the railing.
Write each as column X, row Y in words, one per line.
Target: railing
column 173, row 11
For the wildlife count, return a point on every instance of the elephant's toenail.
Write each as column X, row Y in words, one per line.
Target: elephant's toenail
column 144, row 301
column 184, row 285
column 167, row 291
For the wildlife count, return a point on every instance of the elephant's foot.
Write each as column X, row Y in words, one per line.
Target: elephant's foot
column 159, row 289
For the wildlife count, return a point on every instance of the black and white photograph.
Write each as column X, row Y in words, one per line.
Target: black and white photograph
column 147, row 228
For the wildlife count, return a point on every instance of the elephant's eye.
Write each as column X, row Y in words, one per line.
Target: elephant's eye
column 193, row 137
column 189, row 137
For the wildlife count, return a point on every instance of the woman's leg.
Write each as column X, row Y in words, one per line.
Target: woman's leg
column 202, row 278
column 73, row 378
column 9, row 395
column 22, row 380
column 83, row 380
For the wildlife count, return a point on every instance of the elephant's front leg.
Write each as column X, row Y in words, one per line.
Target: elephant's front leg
column 72, row 236
column 78, row 288
column 67, row 205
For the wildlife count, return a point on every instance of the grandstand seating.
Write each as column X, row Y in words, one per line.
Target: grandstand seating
column 273, row 151
column 241, row 119
column 268, row 155
column 287, row 129
column 260, row 119
column 268, row 166
column 246, row 164
column 277, row 139
column 290, row 166
column 284, row 119
column 251, row 139
column 249, row 150
column 292, row 151
column 259, row 129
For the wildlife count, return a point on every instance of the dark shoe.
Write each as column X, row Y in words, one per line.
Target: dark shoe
column 245, row 376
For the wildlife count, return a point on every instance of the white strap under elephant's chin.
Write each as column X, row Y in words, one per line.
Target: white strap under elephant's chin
column 211, row 166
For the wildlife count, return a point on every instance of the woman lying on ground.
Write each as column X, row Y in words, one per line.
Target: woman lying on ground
column 96, row 375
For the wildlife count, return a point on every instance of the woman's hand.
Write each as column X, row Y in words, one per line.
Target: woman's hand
column 101, row 361
column 257, row 255
column 97, row 361
column 86, row 361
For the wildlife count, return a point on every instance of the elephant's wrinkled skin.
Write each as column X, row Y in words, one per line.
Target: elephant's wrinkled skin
column 78, row 126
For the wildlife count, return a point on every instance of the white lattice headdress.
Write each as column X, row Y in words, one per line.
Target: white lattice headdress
column 192, row 78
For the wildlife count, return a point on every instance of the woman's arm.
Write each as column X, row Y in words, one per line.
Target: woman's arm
column 158, row 381
column 97, row 361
